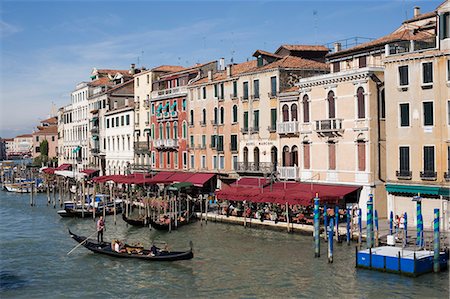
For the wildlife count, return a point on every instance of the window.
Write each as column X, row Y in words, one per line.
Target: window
column 222, row 115
column 185, row 159
column 184, row 129
column 112, row 122
column 235, row 162
column 273, row 119
column 448, row 70
column 53, row 138
column 168, row 159
column 361, row 155
column 444, row 25
column 404, row 161
column 305, row 103
column 215, row 116
column 306, row 155
column 235, row 114
column 122, row 120
column 38, row 149
column 191, row 118
column 221, row 162
column 403, row 75
column 192, row 162
column 234, row 144
column 161, row 159
column 331, row 105
column 404, row 115
column 427, row 72
column 362, row 61
column 428, row 160
column 203, row 162
column 294, row 116
column 204, row 116
column 235, row 88
column 167, row 130
column 361, row 103
column 245, row 90
column 214, row 162
column 216, row 91
column 183, row 105
column 222, row 91
column 175, row 159
column 213, row 141
column 203, row 141
column 256, row 120
column 285, row 113
column 273, row 86
column 256, row 89
column 161, row 131
column 204, row 92
column 336, row 67
column 331, row 156
column 246, row 121
column 427, row 113
column 175, row 130
column 137, row 82
column 148, row 79
column 383, row 105
column 37, row 138
column 117, row 121
column 192, row 145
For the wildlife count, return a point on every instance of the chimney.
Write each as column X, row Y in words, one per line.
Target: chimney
column 127, row 102
column 210, row 75
column 115, row 105
column 222, row 64
column 416, row 11
column 337, row 47
column 229, row 70
column 132, row 69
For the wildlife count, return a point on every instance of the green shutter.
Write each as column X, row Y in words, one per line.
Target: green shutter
column 246, row 120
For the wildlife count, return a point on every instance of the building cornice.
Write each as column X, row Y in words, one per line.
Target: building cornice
column 334, row 78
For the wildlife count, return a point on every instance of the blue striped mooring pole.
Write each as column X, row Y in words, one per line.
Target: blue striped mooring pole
column 436, row 241
column 336, row 217
column 325, row 220
column 316, row 227
column 360, row 227
column 330, row 241
column 348, row 225
column 406, row 227
column 376, row 228
column 419, row 221
column 369, row 235
column 391, row 222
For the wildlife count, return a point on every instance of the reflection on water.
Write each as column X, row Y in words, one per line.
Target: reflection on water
column 229, row 261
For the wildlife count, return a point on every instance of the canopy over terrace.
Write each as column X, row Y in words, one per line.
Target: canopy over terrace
column 291, row 193
column 50, row 170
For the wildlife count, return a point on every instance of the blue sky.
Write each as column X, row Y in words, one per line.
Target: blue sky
column 47, row 47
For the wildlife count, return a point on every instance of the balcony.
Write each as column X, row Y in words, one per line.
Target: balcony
column 447, row 176
column 255, row 97
column 329, row 126
column 166, row 114
column 159, row 115
column 174, row 114
column 261, row 167
column 169, row 93
column 233, row 96
column 244, row 98
column 272, row 95
column 244, row 130
column 165, row 143
column 272, row 128
column 288, row 172
column 221, row 98
column 428, row 175
column 403, row 174
column 254, row 130
column 288, row 127
column 202, row 123
column 214, row 123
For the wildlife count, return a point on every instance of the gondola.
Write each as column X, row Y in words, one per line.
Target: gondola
column 137, row 252
column 166, row 226
column 141, row 222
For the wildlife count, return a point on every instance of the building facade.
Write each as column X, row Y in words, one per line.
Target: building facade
column 418, row 116
column 48, row 130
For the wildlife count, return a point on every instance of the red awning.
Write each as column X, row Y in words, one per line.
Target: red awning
column 161, row 177
column 90, row 171
column 179, row 177
column 251, row 181
column 64, row 167
column 48, row 170
column 199, row 179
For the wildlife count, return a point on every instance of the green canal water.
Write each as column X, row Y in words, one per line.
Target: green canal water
column 230, row 262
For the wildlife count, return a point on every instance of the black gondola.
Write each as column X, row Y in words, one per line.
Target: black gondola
column 166, row 226
column 141, row 222
column 141, row 253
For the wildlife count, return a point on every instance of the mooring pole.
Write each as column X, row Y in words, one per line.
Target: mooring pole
column 330, row 241
column 437, row 241
column 316, row 227
column 348, row 226
column 369, row 229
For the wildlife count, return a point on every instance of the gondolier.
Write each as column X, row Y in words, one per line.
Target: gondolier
column 100, row 228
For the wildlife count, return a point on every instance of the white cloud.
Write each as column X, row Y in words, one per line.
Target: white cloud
column 7, row 29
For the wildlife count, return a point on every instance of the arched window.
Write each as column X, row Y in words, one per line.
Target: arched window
column 235, row 114
column 184, row 129
column 286, row 156
column 161, row 131
column 215, row 115
column 175, row 130
column 294, row 116
column 305, row 104
column 274, row 157
column 256, row 158
column 184, row 105
column 285, row 113
column 222, row 115
column 204, row 116
column 167, row 130
column 245, row 158
column 191, row 119
column 361, row 103
column 294, row 155
column 152, row 132
column 331, row 105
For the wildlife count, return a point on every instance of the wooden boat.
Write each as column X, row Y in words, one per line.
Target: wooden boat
column 163, row 226
column 75, row 209
column 136, row 252
column 141, row 222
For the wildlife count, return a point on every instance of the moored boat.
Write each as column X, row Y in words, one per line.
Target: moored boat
column 141, row 221
column 137, row 252
column 166, row 225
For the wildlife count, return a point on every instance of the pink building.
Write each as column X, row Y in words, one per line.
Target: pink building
column 48, row 130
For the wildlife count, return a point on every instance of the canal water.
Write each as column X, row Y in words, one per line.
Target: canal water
column 230, row 262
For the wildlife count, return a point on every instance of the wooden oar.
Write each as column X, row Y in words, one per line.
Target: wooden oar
column 81, row 243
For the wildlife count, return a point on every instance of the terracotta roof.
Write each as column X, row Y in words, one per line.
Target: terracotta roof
column 51, row 120
column 304, row 48
column 47, row 130
column 8, row 139
column 24, row 135
column 294, row 62
column 236, row 69
column 188, row 69
column 168, row 68
column 262, row 52
column 421, row 17
column 402, row 34
column 100, row 81
column 106, row 71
